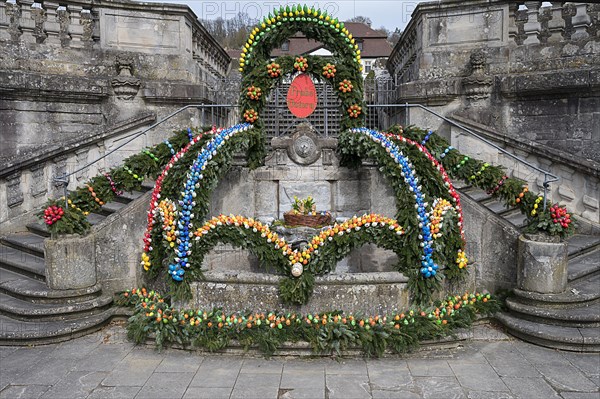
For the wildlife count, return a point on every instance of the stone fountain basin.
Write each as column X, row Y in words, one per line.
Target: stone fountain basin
column 235, row 291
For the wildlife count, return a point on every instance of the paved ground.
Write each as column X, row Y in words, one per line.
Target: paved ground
column 106, row 365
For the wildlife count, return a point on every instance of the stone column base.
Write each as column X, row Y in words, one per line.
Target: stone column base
column 542, row 265
column 70, row 262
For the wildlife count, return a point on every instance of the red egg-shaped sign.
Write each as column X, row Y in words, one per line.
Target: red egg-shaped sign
column 302, row 96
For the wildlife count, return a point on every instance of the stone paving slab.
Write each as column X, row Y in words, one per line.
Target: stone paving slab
column 104, row 365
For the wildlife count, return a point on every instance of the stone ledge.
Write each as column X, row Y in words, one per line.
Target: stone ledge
column 430, row 92
column 244, row 277
column 556, row 82
column 17, row 85
column 178, row 93
column 352, row 292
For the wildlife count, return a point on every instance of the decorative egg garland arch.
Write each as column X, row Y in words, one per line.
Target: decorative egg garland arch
column 259, row 76
column 173, row 222
column 260, row 73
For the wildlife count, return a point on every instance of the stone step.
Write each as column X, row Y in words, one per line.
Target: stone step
column 460, row 184
column 495, row 206
column 558, row 337
column 515, row 217
column 18, row 332
column 582, row 243
column 476, row 194
column 23, row 263
column 23, row 310
column 111, row 207
column 38, row 228
column 578, row 315
column 27, row 242
column 580, row 291
column 36, row 291
column 127, row 197
column 584, row 265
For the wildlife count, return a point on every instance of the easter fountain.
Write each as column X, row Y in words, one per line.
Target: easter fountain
column 397, row 251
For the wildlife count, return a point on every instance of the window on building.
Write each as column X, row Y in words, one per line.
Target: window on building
column 285, row 46
column 360, row 45
column 368, row 66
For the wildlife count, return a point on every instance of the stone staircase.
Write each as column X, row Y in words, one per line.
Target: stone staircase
column 511, row 215
column 569, row 320
column 30, row 312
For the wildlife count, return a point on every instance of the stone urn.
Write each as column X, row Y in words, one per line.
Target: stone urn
column 542, row 264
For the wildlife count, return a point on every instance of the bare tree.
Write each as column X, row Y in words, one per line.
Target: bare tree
column 361, row 19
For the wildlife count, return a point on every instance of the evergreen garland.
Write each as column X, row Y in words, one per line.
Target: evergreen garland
column 327, row 332
column 81, row 203
column 512, row 191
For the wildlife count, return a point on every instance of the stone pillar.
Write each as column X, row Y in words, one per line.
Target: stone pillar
column 566, row 190
column 63, row 16
column 75, row 26
column 52, row 26
column 87, row 22
column 39, row 185
column 532, row 26
column 568, row 12
column 542, row 265
column 517, row 21
column 581, row 21
column 70, row 262
column 556, row 25
column 27, row 23
column 14, row 192
column 38, row 14
column 590, row 202
column 81, row 160
column 59, row 169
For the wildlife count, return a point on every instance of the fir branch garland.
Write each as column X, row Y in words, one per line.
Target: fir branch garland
column 328, row 332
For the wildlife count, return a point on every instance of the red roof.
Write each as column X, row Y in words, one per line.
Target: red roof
column 358, row 29
column 375, row 44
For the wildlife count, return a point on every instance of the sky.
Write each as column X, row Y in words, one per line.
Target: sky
column 390, row 14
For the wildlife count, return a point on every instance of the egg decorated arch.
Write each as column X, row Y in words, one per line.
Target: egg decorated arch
column 260, row 73
column 178, row 233
column 426, row 232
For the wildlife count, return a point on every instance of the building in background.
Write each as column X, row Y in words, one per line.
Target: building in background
column 373, row 45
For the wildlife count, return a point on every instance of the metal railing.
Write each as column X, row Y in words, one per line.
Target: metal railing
column 548, row 177
column 64, row 179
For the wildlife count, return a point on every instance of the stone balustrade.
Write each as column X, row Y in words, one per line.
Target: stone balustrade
column 579, row 182
column 151, row 28
column 498, row 23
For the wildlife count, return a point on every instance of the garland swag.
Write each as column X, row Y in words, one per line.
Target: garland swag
column 326, row 332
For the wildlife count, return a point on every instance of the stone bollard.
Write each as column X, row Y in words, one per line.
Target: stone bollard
column 70, row 262
column 542, row 264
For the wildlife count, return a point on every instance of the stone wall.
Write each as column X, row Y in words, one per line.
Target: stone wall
column 77, row 78
column 525, row 75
